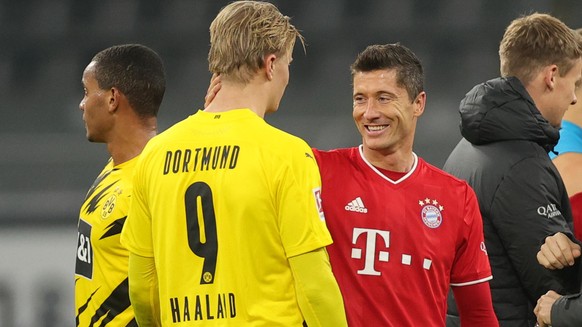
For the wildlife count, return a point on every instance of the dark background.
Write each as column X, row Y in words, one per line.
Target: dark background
column 47, row 165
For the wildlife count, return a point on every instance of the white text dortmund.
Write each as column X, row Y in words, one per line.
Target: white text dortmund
column 200, row 159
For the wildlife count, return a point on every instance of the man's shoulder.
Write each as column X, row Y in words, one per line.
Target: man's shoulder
column 335, row 156
column 336, row 153
column 498, row 158
column 440, row 175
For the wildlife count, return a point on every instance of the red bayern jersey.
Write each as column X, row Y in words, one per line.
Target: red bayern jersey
column 399, row 245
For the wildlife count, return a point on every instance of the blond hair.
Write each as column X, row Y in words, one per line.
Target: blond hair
column 534, row 41
column 244, row 32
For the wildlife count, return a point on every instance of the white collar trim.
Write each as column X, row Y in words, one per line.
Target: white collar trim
column 415, row 163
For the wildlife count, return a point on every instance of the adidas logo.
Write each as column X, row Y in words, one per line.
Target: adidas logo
column 356, row 205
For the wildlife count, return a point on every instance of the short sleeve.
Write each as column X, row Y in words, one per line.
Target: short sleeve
column 301, row 218
column 471, row 264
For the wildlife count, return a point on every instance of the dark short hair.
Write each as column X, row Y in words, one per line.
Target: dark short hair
column 409, row 73
column 137, row 71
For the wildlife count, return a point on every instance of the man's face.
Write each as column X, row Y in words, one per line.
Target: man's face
column 383, row 112
column 564, row 94
column 94, row 106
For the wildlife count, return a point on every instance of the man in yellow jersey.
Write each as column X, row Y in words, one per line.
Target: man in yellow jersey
column 225, row 226
column 124, row 86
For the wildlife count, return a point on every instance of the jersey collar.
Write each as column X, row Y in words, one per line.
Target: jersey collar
column 403, row 178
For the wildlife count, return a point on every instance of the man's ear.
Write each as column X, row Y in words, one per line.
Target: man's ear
column 114, row 98
column 550, row 74
column 269, row 65
column 419, row 104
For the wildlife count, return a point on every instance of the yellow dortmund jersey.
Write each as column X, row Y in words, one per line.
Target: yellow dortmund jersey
column 221, row 200
column 101, row 287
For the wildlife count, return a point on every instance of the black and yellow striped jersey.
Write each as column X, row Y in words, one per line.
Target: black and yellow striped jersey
column 101, row 283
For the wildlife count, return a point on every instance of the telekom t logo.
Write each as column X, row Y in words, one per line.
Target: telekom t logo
column 370, row 235
column 382, row 254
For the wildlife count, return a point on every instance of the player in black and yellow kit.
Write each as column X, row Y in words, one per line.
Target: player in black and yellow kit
column 226, row 216
column 124, row 86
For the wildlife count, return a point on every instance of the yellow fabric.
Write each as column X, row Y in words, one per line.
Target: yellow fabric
column 143, row 290
column 101, row 290
column 318, row 293
column 221, row 200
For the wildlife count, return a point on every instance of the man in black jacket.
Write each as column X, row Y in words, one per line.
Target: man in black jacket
column 508, row 125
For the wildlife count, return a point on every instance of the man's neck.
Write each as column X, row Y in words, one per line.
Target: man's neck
column 235, row 96
column 397, row 161
column 129, row 142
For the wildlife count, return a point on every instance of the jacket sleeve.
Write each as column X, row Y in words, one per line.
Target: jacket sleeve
column 527, row 207
column 567, row 311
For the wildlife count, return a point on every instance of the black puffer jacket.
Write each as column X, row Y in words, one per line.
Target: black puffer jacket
column 504, row 157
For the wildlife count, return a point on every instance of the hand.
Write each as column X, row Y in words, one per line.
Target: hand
column 558, row 252
column 543, row 309
column 213, row 88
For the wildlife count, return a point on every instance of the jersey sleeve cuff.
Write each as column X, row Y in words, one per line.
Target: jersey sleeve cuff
column 473, row 282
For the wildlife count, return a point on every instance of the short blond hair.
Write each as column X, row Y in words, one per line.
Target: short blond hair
column 244, row 32
column 534, row 41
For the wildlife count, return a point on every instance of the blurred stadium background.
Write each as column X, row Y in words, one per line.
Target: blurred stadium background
column 46, row 164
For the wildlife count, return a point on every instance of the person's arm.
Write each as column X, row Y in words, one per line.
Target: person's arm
column 143, row 290
column 543, row 309
column 527, row 208
column 552, row 309
column 569, row 165
column 475, row 305
column 471, row 271
column 576, row 204
column 318, row 293
column 558, row 251
column 567, row 311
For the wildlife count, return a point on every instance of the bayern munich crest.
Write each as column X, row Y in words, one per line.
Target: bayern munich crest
column 431, row 212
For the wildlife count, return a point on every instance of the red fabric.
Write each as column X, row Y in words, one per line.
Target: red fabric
column 576, row 203
column 399, row 244
column 393, row 175
column 475, row 306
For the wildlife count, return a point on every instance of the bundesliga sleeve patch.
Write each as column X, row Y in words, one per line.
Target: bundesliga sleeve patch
column 317, row 195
